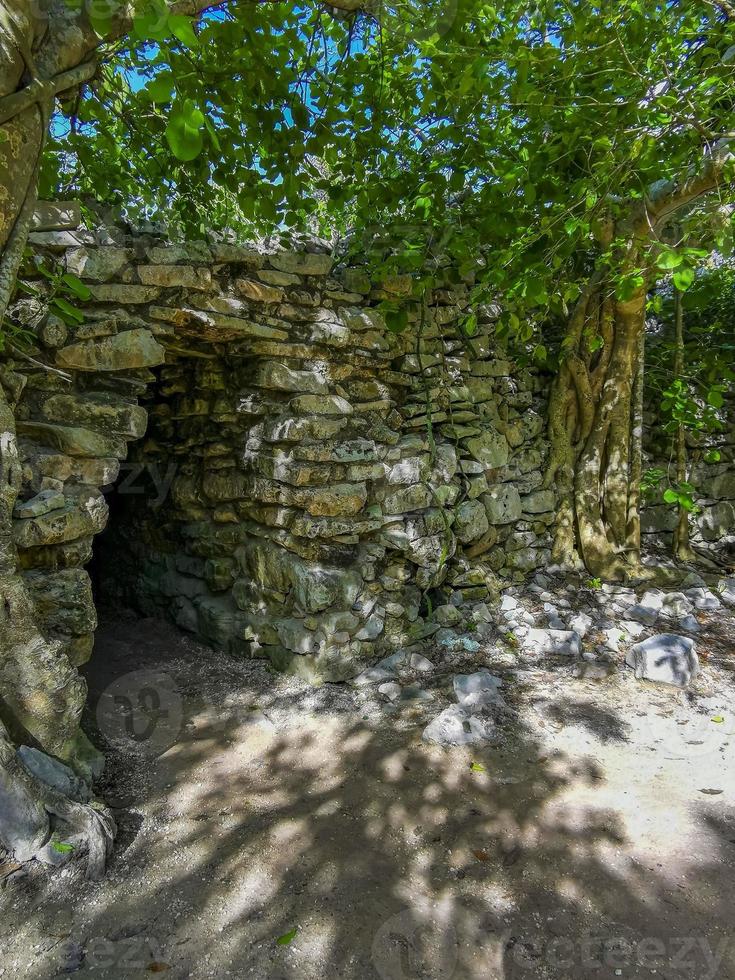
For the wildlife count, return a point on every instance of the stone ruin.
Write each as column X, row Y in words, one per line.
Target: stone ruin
column 299, row 482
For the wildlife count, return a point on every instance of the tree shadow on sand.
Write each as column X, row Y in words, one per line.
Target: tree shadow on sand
column 370, row 855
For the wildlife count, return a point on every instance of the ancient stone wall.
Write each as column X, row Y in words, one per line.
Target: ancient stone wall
column 302, row 483
column 711, row 470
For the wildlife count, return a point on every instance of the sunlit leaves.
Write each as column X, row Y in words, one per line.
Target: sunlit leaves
column 185, row 130
column 668, row 259
column 160, row 88
column 629, row 284
column 681, row 495
column 511, row 131
column 683, row 278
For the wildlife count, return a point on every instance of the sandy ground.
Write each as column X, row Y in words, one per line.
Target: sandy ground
column 596, row 840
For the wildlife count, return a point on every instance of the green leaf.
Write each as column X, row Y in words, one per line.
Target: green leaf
column 671, row 496
column 470, row 325
column 396, row 320
column 628, row 286
column 61, row 848
column 70, row 314
column 683, row 279
column 160, row 88
column 213, row 134
column 715, row 398
column 151, row 25
column 476, row 767
column 669, row 259
column 184, row 131
column 183, row 29
column 287, row 937
column 76, row 286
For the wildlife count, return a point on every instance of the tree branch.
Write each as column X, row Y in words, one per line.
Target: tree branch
column 725, row 7
column 666, row 197
column 42, row 91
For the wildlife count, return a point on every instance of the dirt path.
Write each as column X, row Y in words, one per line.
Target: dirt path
column 596, row 840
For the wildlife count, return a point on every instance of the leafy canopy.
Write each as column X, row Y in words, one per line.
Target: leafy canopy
column 529, row 132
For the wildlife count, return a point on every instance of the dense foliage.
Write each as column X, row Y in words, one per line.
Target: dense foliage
column 520, row 130
column 563, row 157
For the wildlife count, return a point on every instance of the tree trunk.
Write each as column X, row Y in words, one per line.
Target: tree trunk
column 41, row 694
column 594, row 427
column 682, row 549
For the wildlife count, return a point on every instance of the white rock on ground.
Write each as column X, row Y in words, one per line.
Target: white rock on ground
column 565, row 642
column 666, row 658
column 580, row 624
column 468, row 684
column 458, row 726
column 373, row 675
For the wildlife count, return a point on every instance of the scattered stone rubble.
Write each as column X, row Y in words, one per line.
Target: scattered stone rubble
column 590, row 632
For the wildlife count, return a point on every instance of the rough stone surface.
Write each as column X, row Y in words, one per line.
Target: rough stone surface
column 459, row 726
column 665, row 658
column 279, row 494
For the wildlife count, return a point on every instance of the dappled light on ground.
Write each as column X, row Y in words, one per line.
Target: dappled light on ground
column 564, row 851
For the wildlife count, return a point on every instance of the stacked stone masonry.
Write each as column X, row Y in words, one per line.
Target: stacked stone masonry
column 711, row 471
column 300, row 482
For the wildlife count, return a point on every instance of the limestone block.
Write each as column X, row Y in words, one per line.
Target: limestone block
column 98, row 410
column 502, row 504
column 550, row 641
column 717, row 521
column 85, row 514
column 97, row 264
column 185, row 252
column 272, row 374
column 43, row 503
column 666, row 659
column 321, row 405
column 123, row 293
column 489, row 448
column 129, row 349
column 415, row 497
column 73, row 440
column 471, row 521
column 259, row 292
column 539, row 502
column 56, row 216
column 290, row 429
column 63, row 600
column 54, row 773
column 177, row 275
column 275, row 278
column 302, row 263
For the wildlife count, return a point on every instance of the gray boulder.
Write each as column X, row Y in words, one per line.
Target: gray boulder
column 471, row 521
column 565, row 642
column 467, row 685
column 665, row 659
column 458, row 726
